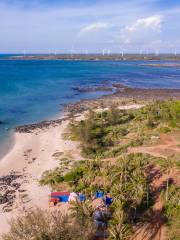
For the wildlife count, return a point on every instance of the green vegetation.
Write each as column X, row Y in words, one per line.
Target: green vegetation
column 51, row 177
column 172, row 212
column 161, row 112
column 125, row 180
column 108, row 134
column 100, row 132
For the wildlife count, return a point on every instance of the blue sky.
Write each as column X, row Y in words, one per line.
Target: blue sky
column 41, row 26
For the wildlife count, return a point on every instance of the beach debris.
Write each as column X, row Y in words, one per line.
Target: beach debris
column 155, row 137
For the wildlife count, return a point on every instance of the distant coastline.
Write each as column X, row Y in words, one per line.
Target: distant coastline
column 167, row 65
column 95, row 57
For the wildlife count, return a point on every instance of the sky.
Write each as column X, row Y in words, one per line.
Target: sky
column 89, row 26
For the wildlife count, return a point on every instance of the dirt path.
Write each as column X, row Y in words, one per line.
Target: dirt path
column 168, row 144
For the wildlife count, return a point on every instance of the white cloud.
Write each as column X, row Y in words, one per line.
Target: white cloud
column 152, row 23
column 143, row 32
column 95, row 27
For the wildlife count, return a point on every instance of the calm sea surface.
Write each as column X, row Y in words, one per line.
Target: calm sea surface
column 31, row 91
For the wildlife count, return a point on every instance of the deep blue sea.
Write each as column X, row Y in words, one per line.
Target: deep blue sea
column 31, row 91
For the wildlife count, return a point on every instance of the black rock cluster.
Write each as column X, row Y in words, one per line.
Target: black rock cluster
column 38, row 126
column 8, row 188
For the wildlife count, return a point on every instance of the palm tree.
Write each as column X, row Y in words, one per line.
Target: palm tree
column 119, row 229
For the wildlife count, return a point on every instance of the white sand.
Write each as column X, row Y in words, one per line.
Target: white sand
column 123, row 107
column 42, row 145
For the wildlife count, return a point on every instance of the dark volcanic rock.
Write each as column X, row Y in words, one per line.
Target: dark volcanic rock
column 123, row 93
column 8, row 188
column 7, row 180
column 41, row 125
column 92, row 89
column 8, row 196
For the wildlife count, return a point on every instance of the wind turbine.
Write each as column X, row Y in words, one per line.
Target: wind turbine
column 72, row 51
column 24, row 52
column 157, row 52
column 122, row 53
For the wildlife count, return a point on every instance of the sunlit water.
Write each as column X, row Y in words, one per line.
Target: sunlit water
column 31, row 91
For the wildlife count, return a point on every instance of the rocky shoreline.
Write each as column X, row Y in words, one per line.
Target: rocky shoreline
column 168, row 65
column 29, row 128
column 122, row 94
column 93, row 89
column 147, row 93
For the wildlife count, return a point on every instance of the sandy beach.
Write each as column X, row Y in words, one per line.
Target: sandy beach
column 31, row 155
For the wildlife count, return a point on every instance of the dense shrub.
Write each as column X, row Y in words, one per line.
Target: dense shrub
column 44, row 225
column 100, row 131
column 161, row 111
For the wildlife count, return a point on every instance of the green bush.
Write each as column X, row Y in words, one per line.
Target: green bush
column 100, row 131
column 164, row 130
column 161, row 111
column 51, row 177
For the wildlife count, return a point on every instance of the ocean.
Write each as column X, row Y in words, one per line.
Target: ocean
column 31, row 91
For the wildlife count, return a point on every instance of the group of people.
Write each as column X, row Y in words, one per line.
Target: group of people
column 102, row 213
column 80, row 197
column 100, row 205
column 76, row 197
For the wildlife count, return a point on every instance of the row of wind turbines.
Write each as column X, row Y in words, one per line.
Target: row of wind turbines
column 107, row 52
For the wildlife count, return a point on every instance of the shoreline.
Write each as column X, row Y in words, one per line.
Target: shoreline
column 7, row 144
column 35, row 145
column 21, row 169
column 122, row 94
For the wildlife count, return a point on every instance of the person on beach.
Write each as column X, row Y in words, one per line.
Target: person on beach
column 73, row 197
column 82, row 197
column 101, row 217
column 108, row 200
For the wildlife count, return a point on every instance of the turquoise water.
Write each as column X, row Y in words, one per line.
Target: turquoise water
column 31, row 91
